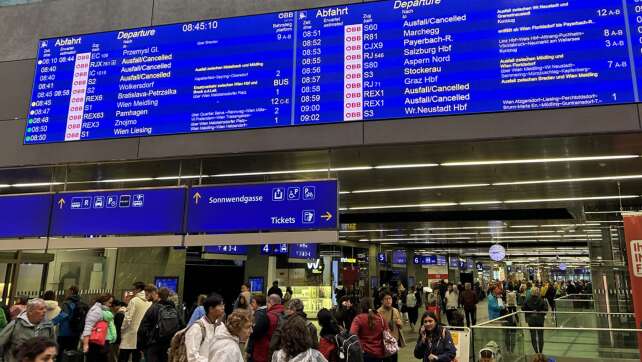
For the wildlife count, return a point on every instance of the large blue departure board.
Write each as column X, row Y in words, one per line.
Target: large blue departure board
column 371, row 61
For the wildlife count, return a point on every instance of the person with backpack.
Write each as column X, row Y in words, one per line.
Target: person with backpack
column 369, row 326
column 136, row 309
column 95, row 341
column 435, row 344
column 412, row 307
column 293, row 309
column 158, row 326
column 70, row 321
column 229, row 335
column 192, row 344
column 258, row 339
column 329, row 331
column 261, row 350
column 536, row 308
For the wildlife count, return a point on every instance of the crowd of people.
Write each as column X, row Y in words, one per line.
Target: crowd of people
column 150, row 324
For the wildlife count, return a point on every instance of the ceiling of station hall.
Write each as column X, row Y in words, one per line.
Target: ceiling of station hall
column 550, row 192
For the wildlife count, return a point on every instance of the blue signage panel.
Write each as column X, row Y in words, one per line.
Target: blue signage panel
column 170, row 283
column 399, row 257
column 441, row 260
column 119, row 212
column 226, row 249
column 304, row 251
column 424, row 260
column 301, row 205
column 274, row 249
column 370, row 61
column 382, row 258
column 25, row 215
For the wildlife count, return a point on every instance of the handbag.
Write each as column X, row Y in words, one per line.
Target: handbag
column 390, row 345
column 98, row 334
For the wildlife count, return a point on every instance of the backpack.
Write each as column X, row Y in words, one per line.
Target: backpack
column 177, row 349
column 77, row 319
column 168, row 323
column 411, row 300
column 348, row 347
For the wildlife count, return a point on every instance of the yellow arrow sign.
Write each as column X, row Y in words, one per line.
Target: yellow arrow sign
column 196, row 197
column 327, row 216
column 61, row 202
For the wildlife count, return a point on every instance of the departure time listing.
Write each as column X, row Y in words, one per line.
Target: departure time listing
column 360, row 62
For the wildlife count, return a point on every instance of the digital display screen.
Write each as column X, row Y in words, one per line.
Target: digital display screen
column 425, row 260
column 441, row 260
column 257, row 284
column 170, row 283
column 301, row 205
column 119, row 212
column 303, row 251
column 226, row 249
column 25, row 215
column 274, row 249
column 399, row 257
column 372, row 61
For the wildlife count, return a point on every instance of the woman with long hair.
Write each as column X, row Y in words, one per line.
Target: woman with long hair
column 329, row 330
column 368, row 326
column 435, row 342
column 99, row 312
column 296, row 344
column 229, row 336
column 37, row 349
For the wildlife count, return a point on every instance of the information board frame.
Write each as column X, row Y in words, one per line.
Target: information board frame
column 634, row 69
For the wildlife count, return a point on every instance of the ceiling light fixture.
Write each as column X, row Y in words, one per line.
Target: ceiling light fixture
column 415, row 165
column 480, row 203
column 367, row 231
column 37, row 184
column 124, row 180
column 539, row 160
column 563, row 199
column 583, row 179
column 414, row 188
column 186, row 177
column 439, row 204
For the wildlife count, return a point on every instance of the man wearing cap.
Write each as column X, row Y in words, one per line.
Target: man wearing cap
column 293, row 309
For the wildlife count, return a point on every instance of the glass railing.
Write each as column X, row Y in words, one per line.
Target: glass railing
column 565, row 336
column 575, row 303
column 17, row 2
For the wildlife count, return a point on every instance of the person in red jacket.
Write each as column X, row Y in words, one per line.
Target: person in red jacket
column 261, row 341
column 368, row 325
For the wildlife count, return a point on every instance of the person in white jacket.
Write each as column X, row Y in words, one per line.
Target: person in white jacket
column 200, row 336
column 236, row 330
column 136, row 310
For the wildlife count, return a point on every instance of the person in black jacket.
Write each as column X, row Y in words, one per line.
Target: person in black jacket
column 275, row 290
column 261, row 323
column 435, row 342
column 344, row 313
column 156, row 341
column 537, row 308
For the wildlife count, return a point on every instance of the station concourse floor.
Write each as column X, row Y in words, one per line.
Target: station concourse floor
column 407, row 353
column 563, row 346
